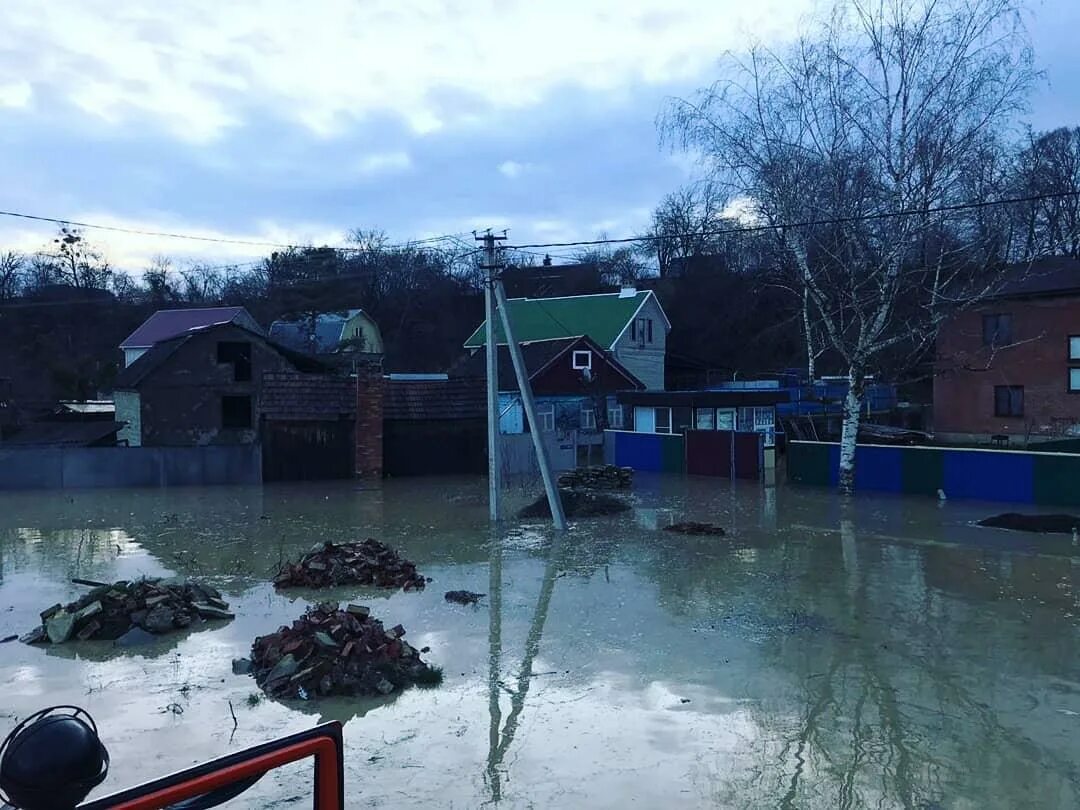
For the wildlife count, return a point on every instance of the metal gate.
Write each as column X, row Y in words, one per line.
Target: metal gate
column 307, row 450
column 725, row 454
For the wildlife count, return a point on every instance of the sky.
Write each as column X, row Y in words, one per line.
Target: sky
column 281, row 121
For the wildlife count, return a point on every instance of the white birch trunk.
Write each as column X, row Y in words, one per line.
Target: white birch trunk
column 848, row 436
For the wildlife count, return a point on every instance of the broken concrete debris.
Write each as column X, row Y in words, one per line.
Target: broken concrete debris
column 607, row 476
column 693, row 527
column 335, row 651
column 577, row 503
column 366, row 563
column 464, row 597
column 117, row 611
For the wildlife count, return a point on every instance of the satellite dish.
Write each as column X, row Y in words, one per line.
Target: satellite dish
column 586, row 374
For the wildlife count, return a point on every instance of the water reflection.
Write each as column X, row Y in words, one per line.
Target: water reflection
column 884, row 652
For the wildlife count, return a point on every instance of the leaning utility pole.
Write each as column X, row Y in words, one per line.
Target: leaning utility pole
column 491, row 348
column 495, row 298
column 522, row 374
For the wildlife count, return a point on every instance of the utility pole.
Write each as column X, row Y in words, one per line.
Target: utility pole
column 491, row 348
column 522, row 374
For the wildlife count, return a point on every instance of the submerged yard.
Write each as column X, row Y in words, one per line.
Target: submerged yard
column 888, row 653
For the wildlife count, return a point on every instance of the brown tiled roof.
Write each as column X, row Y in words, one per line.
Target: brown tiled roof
column 294, row 395
column 1054, row 275
column 455, row 398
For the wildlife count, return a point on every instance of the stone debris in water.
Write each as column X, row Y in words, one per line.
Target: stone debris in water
column 693, row 527
column 335, row 651
column 1044, row 524
column 366, row 563
column 109, row 612
column 578, row 504
column 606, row 477
column 464, row 597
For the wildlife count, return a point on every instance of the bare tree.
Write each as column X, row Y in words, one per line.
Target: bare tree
column 12, row 265
column 868, row 126
column 77, row 263
column 1050, row 165
column 157, row 280
column 684, row 224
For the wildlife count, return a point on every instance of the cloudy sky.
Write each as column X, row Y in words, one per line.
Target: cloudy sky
column 282, row 121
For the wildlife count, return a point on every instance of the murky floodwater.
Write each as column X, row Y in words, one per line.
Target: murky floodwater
column 887, row 654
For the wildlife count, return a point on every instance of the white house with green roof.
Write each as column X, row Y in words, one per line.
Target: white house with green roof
column 630, row 324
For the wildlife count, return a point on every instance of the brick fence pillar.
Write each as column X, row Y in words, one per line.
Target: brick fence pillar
column 370, row 387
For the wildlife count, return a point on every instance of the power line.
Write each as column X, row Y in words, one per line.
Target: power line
column 214, row 239
column 804, row 224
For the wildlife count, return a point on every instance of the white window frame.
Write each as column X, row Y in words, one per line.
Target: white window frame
column 731, row 415
column 710, row 413
column 545, row 413
column 577, row 355
column 1074, row 348
column 615, row 417
column 588, row 418
column 1074, row 380
column 656, row 420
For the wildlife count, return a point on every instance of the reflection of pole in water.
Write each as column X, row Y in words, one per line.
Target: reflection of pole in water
column 494, row 656
column 500, row 743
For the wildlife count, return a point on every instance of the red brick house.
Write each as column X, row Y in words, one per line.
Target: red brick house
column 1011, row 367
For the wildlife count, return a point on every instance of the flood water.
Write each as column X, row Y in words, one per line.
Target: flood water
column 885, row 653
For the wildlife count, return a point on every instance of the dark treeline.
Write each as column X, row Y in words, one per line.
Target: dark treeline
column 730, row 296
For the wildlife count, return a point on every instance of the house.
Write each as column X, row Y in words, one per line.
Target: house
column 1009, row 369
column 629, row 325
column 324, row 334
column 434, row 425
column 227, row 385
column 746, row 409
column 169, row 323
column 573, row 380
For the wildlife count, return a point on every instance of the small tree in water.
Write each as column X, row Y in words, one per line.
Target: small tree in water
column 869, row 127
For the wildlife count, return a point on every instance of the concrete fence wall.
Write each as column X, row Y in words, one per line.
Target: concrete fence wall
column 85, row 467
column 991, row 475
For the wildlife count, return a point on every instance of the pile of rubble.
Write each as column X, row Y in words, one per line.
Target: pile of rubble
column 330, row 651
column 111, row 612
column 366, row 563
column 577, row 503
column 695, row 528
column 606, row 477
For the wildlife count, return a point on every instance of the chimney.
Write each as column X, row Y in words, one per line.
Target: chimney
column 369, row 416
column 627, row 292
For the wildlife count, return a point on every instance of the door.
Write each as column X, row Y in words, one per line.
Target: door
column 307, row 450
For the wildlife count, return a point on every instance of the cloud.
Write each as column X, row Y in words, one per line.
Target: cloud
column 15, row 94
column 383, row 163
column 202, row 67
column 512, row 169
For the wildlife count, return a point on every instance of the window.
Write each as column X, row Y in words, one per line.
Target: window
column 588, row 419
column 1074, row 348
column 582, row 360
column 1008, row 400
column 997, row 330
column 615, row 417
column 648, row 330
column 546, row 414
column 765, row 422
column 236, row 412
column 640, row 330
column 1074, row 380
column 238, row 353
column 705, row 419
column 663, row 420
column 725, row 418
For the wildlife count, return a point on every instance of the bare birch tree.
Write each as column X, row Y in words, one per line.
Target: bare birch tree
column 869, row 126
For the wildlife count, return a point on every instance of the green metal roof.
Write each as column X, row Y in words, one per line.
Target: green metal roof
column 601, row 317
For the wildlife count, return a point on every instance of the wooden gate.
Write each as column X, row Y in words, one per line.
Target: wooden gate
column 307, row 450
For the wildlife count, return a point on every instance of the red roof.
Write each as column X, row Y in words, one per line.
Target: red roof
column 168, row 323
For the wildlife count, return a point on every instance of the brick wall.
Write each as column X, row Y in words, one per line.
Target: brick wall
column 968, row 371
column 369, row 416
